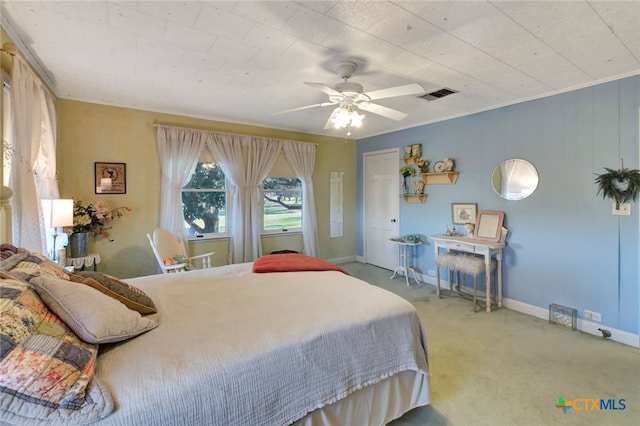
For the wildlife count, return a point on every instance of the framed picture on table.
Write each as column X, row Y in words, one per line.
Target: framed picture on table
column 110, row 178
column 489, row 225
column 463, row 213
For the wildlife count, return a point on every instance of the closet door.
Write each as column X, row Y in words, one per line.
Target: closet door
column 381, row 207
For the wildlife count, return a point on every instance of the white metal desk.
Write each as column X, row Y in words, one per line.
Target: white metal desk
column 472, row 245
column 404, row 262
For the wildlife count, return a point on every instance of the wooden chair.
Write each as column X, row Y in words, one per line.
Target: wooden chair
column 166, row 247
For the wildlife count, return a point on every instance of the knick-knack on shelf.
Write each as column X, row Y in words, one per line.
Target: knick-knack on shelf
column 448, row 164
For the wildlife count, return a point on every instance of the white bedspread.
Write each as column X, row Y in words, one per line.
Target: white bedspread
column 237, row 348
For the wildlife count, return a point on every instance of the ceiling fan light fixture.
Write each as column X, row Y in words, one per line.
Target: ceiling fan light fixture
column 346, row 116
column 351, row 97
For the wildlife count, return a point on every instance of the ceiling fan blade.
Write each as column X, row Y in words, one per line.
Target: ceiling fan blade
column 407, row 89
column 323, row 87
column 304, row 107
column 384, row 111
column 329, row 124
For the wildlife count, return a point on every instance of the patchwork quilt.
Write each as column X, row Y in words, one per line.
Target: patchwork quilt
column 46, row 371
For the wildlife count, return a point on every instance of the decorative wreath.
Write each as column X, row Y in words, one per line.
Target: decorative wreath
column 620, row 185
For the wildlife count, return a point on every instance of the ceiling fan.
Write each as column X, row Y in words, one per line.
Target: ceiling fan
column 350, row 97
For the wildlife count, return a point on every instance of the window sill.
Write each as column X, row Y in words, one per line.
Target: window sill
column 207, row 238
column 280, row 233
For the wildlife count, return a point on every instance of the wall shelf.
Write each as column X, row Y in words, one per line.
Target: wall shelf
column 415, row 198
column 411, row 161
column 440, row 178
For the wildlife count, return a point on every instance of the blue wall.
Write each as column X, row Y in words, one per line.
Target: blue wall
column 565, row 246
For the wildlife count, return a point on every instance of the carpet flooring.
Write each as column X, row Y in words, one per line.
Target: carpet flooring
column 508, row 368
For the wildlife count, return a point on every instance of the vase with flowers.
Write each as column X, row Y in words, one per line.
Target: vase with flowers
column 95, row 218
column 406, row 171
column 423, row 165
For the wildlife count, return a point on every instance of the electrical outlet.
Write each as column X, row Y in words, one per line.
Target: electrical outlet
column 624, row 210
column 595, row 316
column 431, row 272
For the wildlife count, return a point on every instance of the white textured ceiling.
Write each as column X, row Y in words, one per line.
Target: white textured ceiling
column 241, row 61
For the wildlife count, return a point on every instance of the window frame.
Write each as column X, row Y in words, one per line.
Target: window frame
column 281, row 230
column 225, row 190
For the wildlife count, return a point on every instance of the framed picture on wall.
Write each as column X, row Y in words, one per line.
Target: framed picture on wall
column 110, row 178
column 407, row 151
column 416, row 150
column 462, row 213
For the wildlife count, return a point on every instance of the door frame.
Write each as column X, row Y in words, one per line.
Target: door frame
column 395, row 150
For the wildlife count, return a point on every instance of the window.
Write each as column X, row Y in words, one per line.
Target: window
column 204, row 201
column 282, row 205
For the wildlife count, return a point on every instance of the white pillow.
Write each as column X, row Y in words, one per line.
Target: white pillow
column 92, row 315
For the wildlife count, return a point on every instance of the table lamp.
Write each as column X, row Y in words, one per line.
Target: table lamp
column 57, row 212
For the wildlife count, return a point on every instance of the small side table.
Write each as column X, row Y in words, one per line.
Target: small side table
column 81, row 262
column 404, row 262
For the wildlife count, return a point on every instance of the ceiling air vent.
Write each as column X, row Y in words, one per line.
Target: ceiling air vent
column 438, row 94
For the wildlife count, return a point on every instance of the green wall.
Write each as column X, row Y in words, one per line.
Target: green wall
column 90, row 132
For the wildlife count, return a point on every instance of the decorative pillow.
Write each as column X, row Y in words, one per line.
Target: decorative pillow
column 292, row 262
column 7, row 250
column 8, row 276
column 46, row 372
column 177, row 260
column 92, row 315
column 132, row 297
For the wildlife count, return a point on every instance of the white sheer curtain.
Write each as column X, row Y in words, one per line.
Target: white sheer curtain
column 46, row 162
column 33, row 171
column 179, row 150
column 302, row 157
column 246, row 161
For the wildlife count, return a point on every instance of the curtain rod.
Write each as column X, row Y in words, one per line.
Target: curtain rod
column 215, row 131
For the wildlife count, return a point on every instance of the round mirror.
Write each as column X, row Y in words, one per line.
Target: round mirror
column 514, row 179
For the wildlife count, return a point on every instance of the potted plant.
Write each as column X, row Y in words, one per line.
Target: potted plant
column 423, row 165
column 406, row 171
column 619, row 185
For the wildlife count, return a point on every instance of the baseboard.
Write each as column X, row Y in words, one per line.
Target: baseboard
column 360, row 259
column 346, row 259
column 585, row 326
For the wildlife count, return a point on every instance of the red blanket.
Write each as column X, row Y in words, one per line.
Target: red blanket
column 292, row 262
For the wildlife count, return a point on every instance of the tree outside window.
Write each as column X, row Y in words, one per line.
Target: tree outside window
column 204, row 201
column 282, row 205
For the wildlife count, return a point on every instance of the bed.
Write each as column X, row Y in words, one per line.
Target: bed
column 234, row 347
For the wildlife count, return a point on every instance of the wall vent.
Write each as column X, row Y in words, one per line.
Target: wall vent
column 438, row 94
column 563, row 316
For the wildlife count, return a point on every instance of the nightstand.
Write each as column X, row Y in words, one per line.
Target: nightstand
column 92, row 259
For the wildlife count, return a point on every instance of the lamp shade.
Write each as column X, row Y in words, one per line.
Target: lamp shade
column 57, row 212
